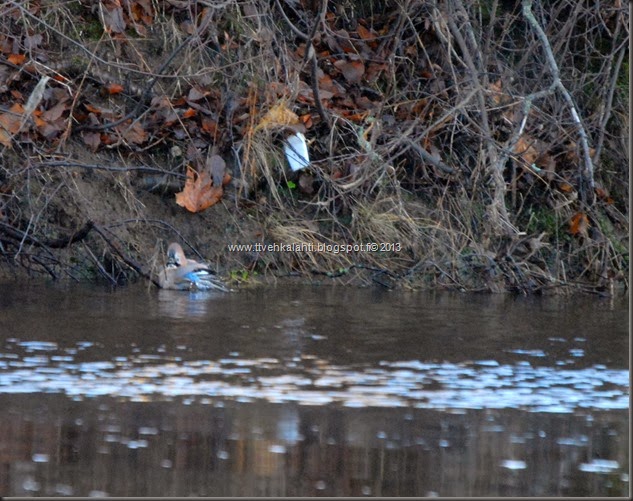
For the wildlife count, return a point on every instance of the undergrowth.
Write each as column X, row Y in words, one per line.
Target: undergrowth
column 482, row 145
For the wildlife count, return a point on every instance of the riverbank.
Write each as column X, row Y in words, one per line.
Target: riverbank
column 444, row 154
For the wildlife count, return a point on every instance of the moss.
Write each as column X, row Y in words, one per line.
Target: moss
column 91, row 30
column 542, row 219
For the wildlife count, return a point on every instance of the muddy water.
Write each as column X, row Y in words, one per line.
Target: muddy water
column 311, row 391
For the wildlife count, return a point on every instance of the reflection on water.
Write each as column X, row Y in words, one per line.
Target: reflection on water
column 307, row 391
column 52, row 447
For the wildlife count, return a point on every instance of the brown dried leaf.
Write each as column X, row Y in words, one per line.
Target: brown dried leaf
column 16, row 59
column 55, row 112
column 603, row 195
column 134, row 133
column 199, row 192
column 525, row 149
column 330, row 86
column 195, row 94
column 91, row 139
column 209, row 125
column 579, row 224
column 188, row 113
column 306, row 183
column 306, row 120
column 546, row 162
column 374, row 70
column 114, row 88
column 10, row 124
column 565, row 187
column 278, row 115
column 364, row 33
column 142, row 11
column 113, row 17
column 353, row 71
column 93, row 109
column 496, row 92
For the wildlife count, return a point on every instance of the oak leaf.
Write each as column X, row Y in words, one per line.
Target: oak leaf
column 199, row 192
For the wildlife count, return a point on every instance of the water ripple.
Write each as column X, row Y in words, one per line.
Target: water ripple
column 311, row 381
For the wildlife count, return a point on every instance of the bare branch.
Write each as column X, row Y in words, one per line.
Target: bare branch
column 553, row 65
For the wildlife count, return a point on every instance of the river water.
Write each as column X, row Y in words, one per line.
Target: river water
column 304, row 391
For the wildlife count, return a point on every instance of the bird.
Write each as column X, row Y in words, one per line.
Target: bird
column 185, row 274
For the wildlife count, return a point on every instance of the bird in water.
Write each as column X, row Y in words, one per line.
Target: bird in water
column 185, row 274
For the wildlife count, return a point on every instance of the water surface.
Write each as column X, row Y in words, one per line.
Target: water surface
column 311, row 391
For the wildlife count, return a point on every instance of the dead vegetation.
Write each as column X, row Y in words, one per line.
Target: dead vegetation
column 482, row 145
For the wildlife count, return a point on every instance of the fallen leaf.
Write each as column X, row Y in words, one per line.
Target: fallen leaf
column 357, row 117
column 134, row 133
column 114, row 88
column 579, row 224
column 525, row 149
column 91, row 139
column 16, row 59
column 55, row 112
column 374, row 70
column 306, row 120
column 565, row 187
column 330, row 86
column 603, row 194
column 195, row 94
column 142, row 11
column 92, row 109
column 546, row 163
column 61, row 78
column 278, row 115
column 209, row 125
column 190, row 112
column 199, row 192
column 113, row 17
column 364, row 33
column 353, row 71
column 10, row 123
column 106, row 139
column 495, row 90
column 306, row 183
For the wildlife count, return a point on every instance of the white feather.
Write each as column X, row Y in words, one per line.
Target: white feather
column 296, row 150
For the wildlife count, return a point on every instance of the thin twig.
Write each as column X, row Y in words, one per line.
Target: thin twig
column 141, row 168
column 146, row 93
column 126, row 259
column 56, row 243
column 587, row 172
